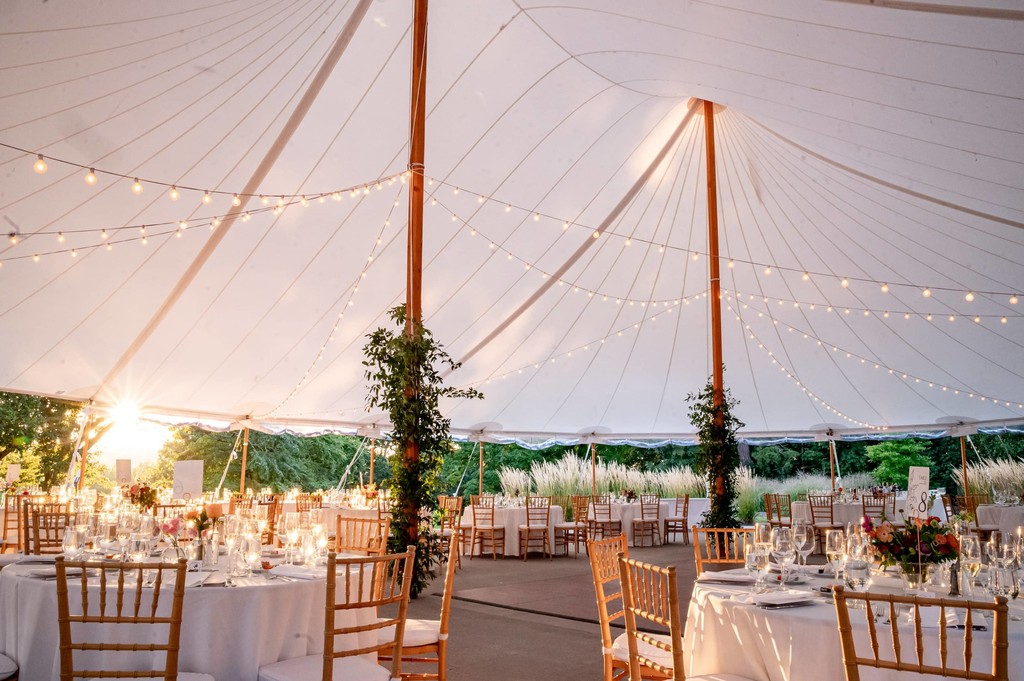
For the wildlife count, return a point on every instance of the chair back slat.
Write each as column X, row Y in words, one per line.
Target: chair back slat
column 143, row 584
column 538, row 511
column 604, row 556
column 367, row 582
column 649, row 592
column 822, row 511
column 650, row 506
column 944, row 663
column 720, row 546
column 483, row 510
column 360, row 535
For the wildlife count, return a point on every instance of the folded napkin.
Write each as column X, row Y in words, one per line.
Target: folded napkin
column 51, row 571
column 298, row 572
column 37, row 560
column 196, row 578
column 781, row 598
column 801, row 569
column 738, row 578
column 931, row 614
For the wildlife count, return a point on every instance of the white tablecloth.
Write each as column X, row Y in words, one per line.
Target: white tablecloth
column 1008, row 518
column 852, row 512
column 726, row 636
column 626, row 513
column 511, row 517
column 227, row 632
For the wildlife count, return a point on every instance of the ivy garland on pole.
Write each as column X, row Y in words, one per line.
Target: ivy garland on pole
column 717, row 457
column 402, row 370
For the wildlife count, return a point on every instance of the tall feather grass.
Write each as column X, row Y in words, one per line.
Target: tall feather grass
column 1001, row 478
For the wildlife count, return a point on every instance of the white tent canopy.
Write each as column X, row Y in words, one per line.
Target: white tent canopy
column 860, row 147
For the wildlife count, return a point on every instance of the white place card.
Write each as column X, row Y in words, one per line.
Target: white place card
column 123, row 471
column 918, row 499
column 188, row 480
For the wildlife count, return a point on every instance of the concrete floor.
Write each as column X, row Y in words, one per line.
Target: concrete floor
column 515, row 620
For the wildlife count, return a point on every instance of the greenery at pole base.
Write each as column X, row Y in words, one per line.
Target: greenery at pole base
column 718, row 456
column 403, row 372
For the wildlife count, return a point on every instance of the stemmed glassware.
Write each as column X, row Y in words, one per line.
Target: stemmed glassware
column 138, row 547
column 803, row 539
column 291, row 526
column 970, row 559
column 756, row 561
column 857, row 562
column 73, row 543
column 783, row 549
column 126, row 524
column 835, row 550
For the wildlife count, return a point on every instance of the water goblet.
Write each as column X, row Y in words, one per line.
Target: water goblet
column 835, row 549
column 252, row 553
column 756, row 561
column 970, row 559
column 803, row 539
column 783, row 549
column 138, row 547
column 73, row 543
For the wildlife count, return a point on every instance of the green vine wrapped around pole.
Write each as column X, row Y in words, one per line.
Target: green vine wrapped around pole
column 718, row 456
column 404, row 377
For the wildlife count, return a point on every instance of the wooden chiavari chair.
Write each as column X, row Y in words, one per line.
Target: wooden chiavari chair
column 44, row 530
column 878, row 509
column 484, row 529
column 574, row 529
column 945, row 664
column 649, row 592
column 426, row 641
column 679, row 522
column 349, row 589
column 822, row 516
column 24, row 517
column 538, row 515
column 11, row 542
column 170, row 510
column 947, row 506
column 970, row 504
column 450, row 508
column 604, row 556
column 384, row 508
column 127, row 599
column 273, row 504
column 777, row 507
column 304, row 503
column 360, row 536
column 720, row 546
column 649, row 522
column 600, row 523
column 239, row 502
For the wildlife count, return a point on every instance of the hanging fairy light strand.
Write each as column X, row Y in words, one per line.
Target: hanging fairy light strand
column 175, row 189
column 926, row 290
column 178, row 227
column 553, row 358
column 349, row 302
column 746, row 297
column 838, row 351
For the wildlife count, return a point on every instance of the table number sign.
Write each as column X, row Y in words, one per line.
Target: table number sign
column 918, row 500
column 13, row 472
column 188, row 480
column 124, row 471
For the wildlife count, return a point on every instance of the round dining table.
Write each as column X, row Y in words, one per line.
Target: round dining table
column 727, row 634
column 511, row 517
column 1008, row 518
column 227, row 631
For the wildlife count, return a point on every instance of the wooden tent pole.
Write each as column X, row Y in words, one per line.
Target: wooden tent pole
column 717, row 367
column 963, row 461
column 373, row 457
column 480, row 483
column 593, row 470
column 414, row 256
column 245, row 458
column 93, row 432
column 832, row 461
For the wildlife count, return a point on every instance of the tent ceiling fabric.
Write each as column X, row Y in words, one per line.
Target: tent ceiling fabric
column 856, row 142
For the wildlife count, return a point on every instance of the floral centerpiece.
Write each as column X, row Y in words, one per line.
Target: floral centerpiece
column 141, row 496
column 913, row 548
column 198, row 523
column 628, row 494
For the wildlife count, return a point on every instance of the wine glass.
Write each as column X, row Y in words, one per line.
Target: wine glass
column 756, row 561
column 857, row 563
column 783, row 549
column 252, row 553
column 995, row 540
column 126, row 524
column 138, row 546
column 803, row 539
column 970, row 559
column 291, row 526
column 73, row 543
column 835, row 549
column 762, row 533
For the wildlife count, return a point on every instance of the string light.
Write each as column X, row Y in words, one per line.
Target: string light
column 90, row 177
column 174, row 194
column 40, row 165
column 136, row 187
column 206, row 197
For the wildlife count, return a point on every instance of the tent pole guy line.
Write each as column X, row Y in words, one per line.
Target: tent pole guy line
column 296, row 118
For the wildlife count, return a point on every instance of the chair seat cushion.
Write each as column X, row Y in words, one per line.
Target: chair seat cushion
column 8, row 668
column 311, row 667
column 675, row 519
column 535, row 528
column 488, row 528
column 569, row 526
column 417, row 633
column 620, row 650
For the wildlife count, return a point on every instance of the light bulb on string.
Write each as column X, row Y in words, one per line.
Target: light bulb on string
column 927, row 293
column 40, row 165
column 174, row 194
column 104, row 235
column 969, row 297
column 60, row 237
column 206, row 197
column 236, row 201
column 1013, row 300
column 90, row 177
column 885, row 288
column 136, row 186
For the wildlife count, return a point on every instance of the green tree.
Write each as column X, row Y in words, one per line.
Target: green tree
column 894, row 459
column 39, row 433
